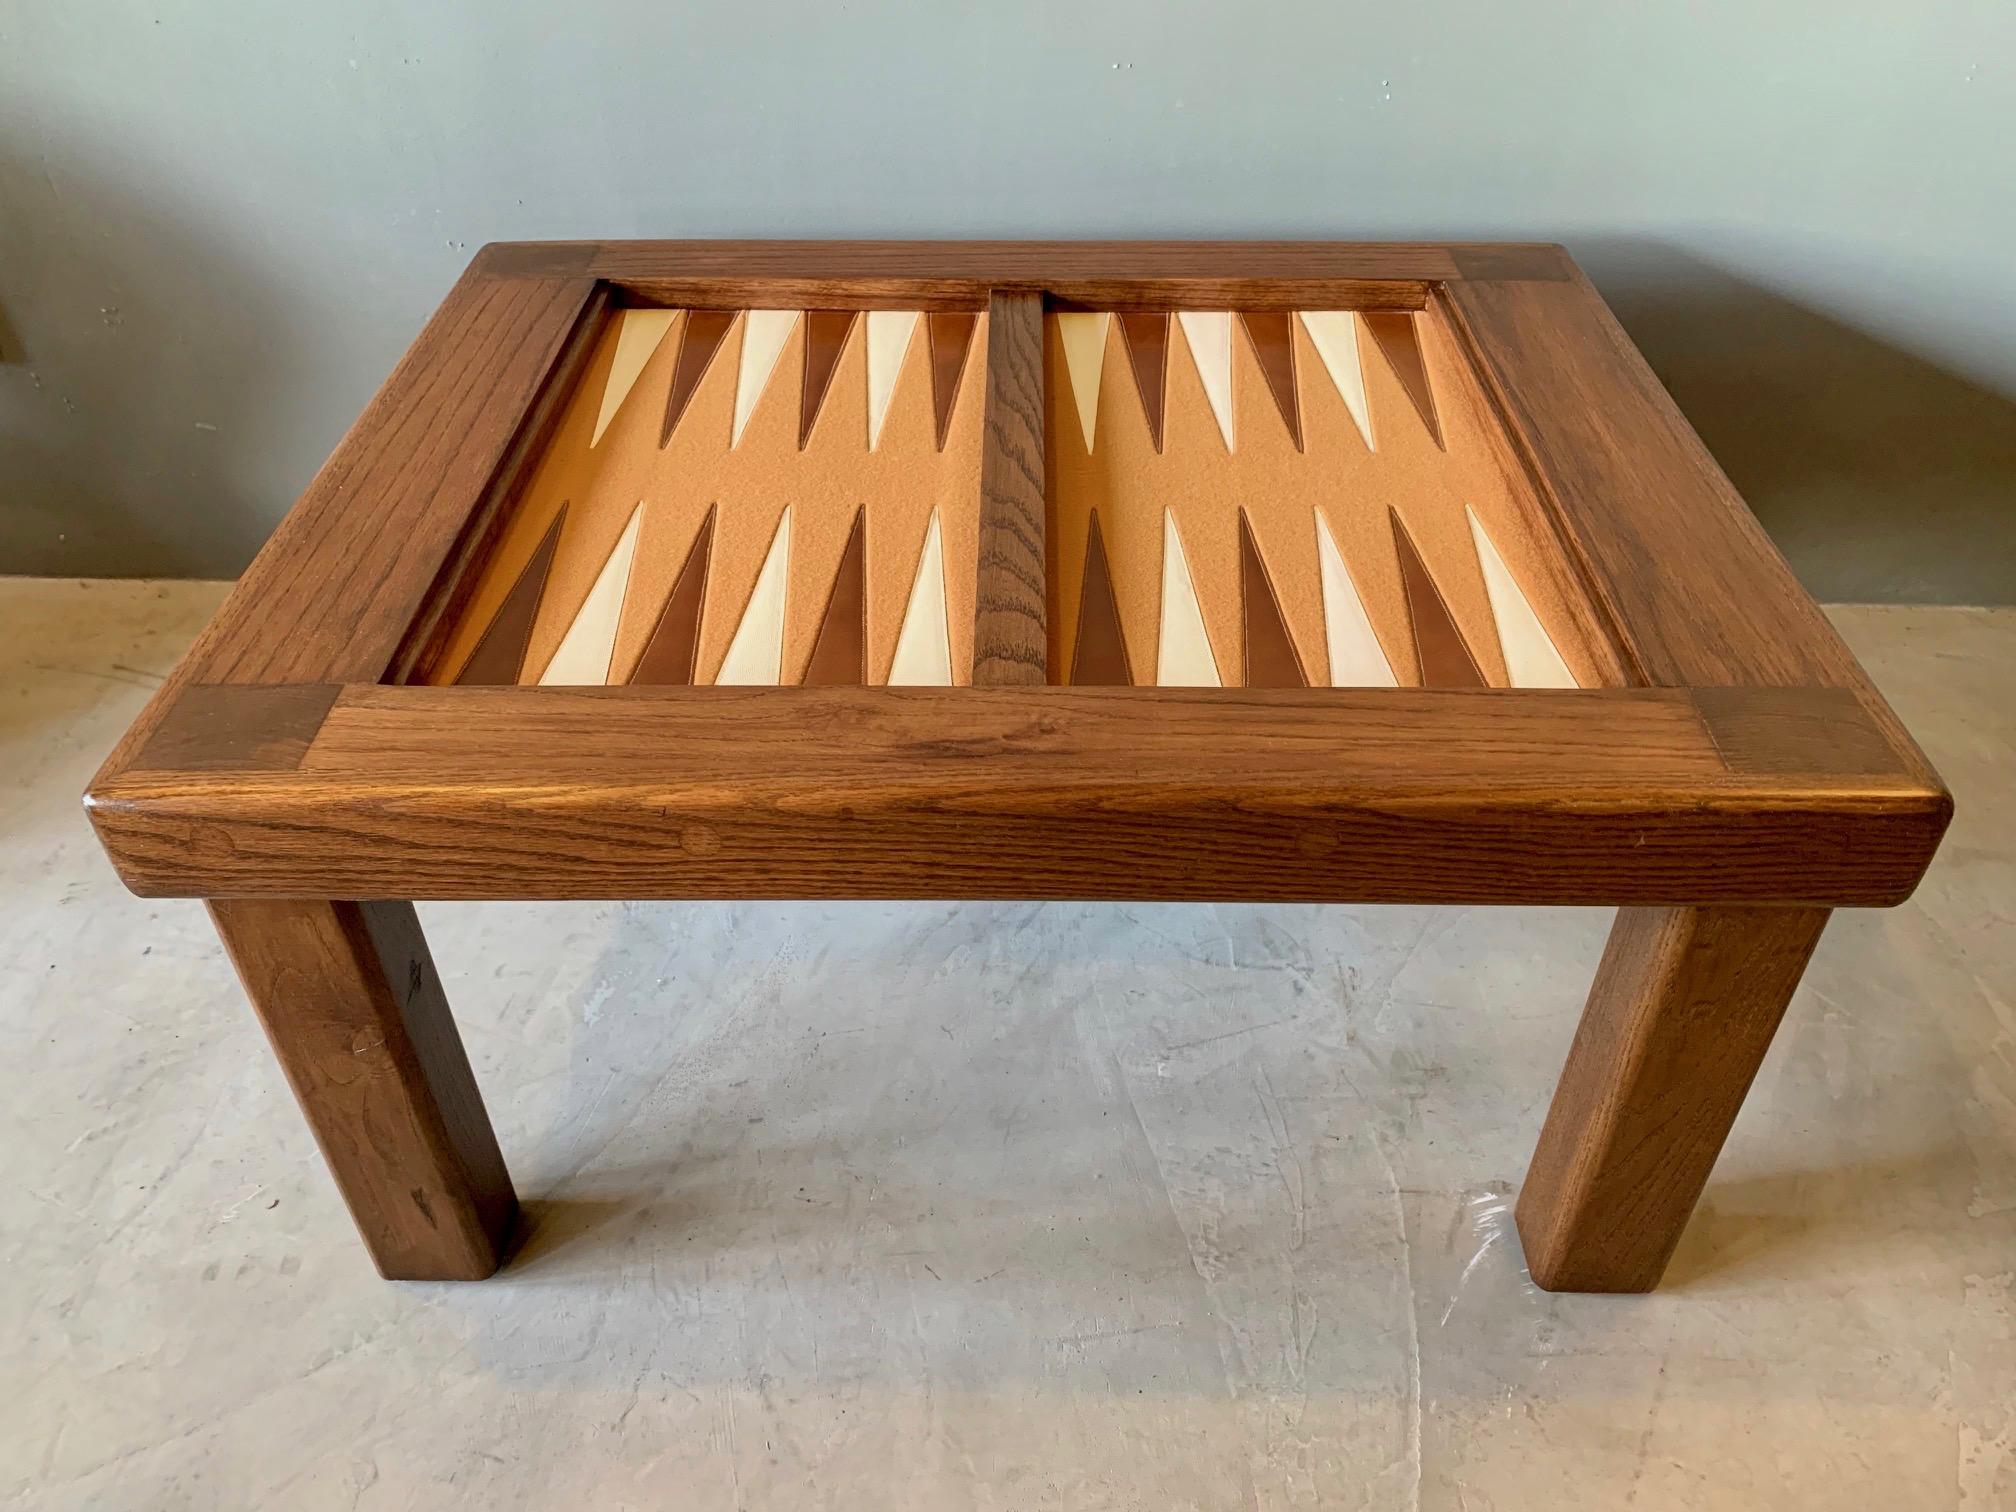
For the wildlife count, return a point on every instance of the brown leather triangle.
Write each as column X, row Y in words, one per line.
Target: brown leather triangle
column 675, row 640
column 1395, row 336
column 1272, row 333
column 1147, row 343
column 1271, row 658
column 699, row 339
column 825, row 339
column 840, row 654
column 951, row 334
column 1446, row 661
column 1099, row 658
column 499, row 656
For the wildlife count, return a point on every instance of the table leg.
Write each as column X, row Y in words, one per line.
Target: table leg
column 1683, row 1008
column 355, row 1011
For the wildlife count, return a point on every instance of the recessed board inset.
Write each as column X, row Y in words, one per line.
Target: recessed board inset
column 1228, row 456
column 864, row 433
column 1242, row 507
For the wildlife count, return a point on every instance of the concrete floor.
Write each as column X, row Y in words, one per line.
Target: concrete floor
column 949, row 1206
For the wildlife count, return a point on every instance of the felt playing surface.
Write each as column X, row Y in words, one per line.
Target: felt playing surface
column 1278, row 499
column 1274, row 499
column 760, row 496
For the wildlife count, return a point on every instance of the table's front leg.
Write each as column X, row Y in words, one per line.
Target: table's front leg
column 1683, row 1008
column 357, row 1016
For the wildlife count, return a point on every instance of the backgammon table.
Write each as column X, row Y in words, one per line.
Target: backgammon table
column 1297, row 572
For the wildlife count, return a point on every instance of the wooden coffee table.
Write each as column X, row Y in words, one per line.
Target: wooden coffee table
column 1237, row 571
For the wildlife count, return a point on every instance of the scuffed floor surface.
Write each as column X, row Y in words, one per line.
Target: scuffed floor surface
column 951, row 1206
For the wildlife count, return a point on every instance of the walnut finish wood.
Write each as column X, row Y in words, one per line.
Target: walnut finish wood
column 1010, row 641
column 1638, row 497
column 1685, row 1003
column 1748, row 761
column 1687, row 584
column 377, row 550
column 355, row 1012
column 333, row 594
column 1371, row 795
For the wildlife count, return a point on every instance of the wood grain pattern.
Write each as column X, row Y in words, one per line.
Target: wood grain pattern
column 1687, row 583
column 225, row 727
column 1684, row 1006
column 354, row 1009
column 1638, row 499
column 1369, row 795
column 332, row 595
column 1009, row 636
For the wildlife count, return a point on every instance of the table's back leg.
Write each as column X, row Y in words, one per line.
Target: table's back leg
column 357, row 1016
column 1683, row 1008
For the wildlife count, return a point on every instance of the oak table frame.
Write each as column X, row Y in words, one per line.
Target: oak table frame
column 1738, row 780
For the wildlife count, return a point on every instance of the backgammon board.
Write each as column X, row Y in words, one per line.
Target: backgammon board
column 1265, row 572
column 1266, row 498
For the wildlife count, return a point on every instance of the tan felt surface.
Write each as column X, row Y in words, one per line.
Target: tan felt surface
column 1124, row 477
column 1428, row 484
column 900, row 483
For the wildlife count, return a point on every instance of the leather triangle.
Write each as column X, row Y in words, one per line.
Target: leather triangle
column 840, row 654
column 1147, row 343
column 499, row 657
column 1272, row 333
column 699, row 339
column 1271, row 658
column 674, row 645
column 1445, row 660
column 1099, row 656
column 825, row 339
column 951, row 334
column 1394, row 334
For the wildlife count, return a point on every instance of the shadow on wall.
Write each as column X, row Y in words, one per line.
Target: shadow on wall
column 163, row 396
column 1882, row 477
column 142, row 362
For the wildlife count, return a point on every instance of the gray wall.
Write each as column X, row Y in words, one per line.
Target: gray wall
column 218, row 229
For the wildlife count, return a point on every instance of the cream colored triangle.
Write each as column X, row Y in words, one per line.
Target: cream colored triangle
column 889, row 333
column 1531, row 658
column 764, row 333
column 1357, row 660
column 636, row 339
column 583, row 657
column 1183, row 657
column 1209, row 335
column 756, row 654
column 1334, row 334
column 1084, row 341
column 923, row 646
